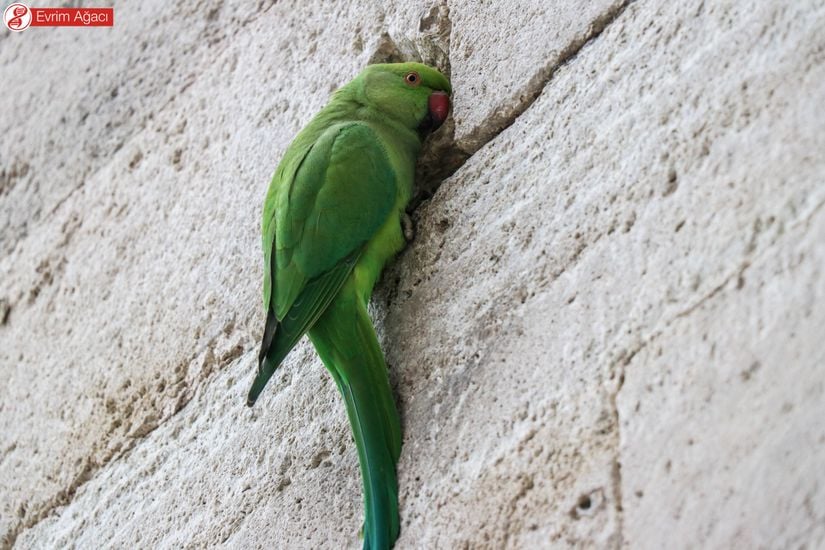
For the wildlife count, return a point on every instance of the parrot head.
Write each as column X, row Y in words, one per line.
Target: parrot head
column 415, row 94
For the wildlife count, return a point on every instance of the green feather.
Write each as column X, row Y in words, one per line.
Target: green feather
column 346, row 342
column 331, row 221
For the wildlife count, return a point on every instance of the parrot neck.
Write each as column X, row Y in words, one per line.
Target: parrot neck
column 409, row 138
column 350, row 103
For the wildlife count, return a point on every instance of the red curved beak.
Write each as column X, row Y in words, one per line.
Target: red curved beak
column 439, row 106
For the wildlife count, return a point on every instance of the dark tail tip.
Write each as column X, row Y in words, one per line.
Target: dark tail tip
column 263, row 375
column 257, row 386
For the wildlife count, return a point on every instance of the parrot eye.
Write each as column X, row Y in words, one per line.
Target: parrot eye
column 412, row 79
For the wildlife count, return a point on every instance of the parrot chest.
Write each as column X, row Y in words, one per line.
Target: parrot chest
column 402, row 149
column 389, row 239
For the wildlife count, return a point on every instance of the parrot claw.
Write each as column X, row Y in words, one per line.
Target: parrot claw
column 408, row 227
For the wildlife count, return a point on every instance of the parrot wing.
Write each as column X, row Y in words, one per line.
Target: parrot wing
column 342, row 191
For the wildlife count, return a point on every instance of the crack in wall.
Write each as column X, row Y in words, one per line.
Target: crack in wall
column 442, row 156
column 502, row 119
column 745, row 264
column 616, row 464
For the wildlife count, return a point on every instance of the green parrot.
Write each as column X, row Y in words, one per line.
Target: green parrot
column 332, row 219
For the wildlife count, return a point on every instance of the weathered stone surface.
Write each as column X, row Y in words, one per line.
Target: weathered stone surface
column 74, row 97
column 722, row 442
column 605, row 333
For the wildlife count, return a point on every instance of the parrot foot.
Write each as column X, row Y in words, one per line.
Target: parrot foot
column 408, row 227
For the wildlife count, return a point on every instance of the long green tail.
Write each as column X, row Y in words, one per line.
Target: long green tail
column 346, row 341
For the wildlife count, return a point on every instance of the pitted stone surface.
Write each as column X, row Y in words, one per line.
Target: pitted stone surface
column 604, row 334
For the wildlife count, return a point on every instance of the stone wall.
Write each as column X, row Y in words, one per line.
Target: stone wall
column 605, row 334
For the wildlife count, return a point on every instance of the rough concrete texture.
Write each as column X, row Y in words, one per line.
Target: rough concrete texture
column 606, row 333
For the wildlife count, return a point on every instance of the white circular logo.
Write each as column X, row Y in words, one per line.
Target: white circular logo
column 17, row 17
